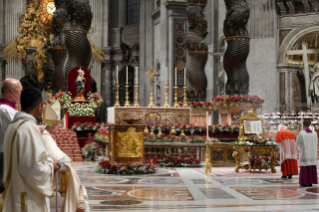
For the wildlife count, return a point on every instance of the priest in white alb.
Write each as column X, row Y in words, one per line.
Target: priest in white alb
column 307, row 142
column 28, row 169
column 76, row 198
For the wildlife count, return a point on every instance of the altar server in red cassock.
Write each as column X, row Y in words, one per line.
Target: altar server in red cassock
column 288, row 153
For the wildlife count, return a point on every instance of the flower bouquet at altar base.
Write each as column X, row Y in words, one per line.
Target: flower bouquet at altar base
column 105, row 167
column 102, row 135
column 94, row 98
column 177, row 161
column 90, row 150
column 266, row 160
column 84, row 110
column 65, row 99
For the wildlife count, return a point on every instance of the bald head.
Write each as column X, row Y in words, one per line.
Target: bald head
column 11, row 89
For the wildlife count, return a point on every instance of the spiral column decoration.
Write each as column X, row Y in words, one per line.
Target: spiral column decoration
column 237, row 38
column 79, row 51
column 58, row 49
column 197, row 48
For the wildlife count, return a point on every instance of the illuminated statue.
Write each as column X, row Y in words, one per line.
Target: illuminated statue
column 80, row 89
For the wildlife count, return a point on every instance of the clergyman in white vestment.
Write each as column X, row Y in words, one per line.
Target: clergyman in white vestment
column 76, row 198
column 28, row 170
column 10, row 92
column 307, row 142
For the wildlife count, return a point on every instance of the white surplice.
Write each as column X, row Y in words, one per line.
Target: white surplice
column 307, row 145
column 7, row 114
column 76, row 198
column 31, row 178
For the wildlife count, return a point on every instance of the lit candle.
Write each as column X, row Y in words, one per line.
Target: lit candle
column 166, row 76
column 126, row 75
column 117, row 75
column 184, row 76
column 136, row 75
column 176, row 76
column 207, row 123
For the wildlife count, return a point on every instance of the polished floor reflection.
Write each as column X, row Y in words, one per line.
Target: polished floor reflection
column 188, row 190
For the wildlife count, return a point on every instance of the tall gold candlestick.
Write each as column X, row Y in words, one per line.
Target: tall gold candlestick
column 136, row 104
column 185, row 97
column 166, row 103
column 127, row 102
column 117, row 102
column 208, row 166
column 175, row 98
column 152, row 74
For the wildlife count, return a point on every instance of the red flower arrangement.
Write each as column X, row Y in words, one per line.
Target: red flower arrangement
column 237, row 100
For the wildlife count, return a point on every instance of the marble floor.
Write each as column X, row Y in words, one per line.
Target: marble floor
column 190, row 190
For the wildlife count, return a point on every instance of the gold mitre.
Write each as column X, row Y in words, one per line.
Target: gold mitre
column 51, row 114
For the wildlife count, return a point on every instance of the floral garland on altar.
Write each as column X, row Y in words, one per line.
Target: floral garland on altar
column 77, row 109
column 177, row 161
column 174, row 139
column 198, row 105
column 105, row 167
column 193, row 128
column 237, row 100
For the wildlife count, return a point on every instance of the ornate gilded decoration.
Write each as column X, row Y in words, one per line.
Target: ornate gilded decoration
column 48, row 9
column 196, row 46
column 253, row 165
column 218, row 155
column 208, row 166
column 237, row 38
column 250, row 117
column 153, row 118
column 33, row 33
column 130, row 143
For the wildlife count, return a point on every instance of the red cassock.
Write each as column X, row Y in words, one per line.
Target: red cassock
column 288, row 152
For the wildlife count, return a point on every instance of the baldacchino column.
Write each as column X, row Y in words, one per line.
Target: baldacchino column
column 75, row 34
column 58, row 49
column 237, row 38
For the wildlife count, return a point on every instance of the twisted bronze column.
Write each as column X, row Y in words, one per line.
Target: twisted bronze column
column 237, row 38
column 75, row 34
column 58, row 49
column 197, row 48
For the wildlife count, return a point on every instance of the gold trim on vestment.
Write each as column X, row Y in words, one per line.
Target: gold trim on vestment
column 24, row 202
column 51, row 180
column 8, row 178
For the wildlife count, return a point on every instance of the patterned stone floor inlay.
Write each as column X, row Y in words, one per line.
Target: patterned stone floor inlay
column 200, row 181
column 216, row 193
column 191, row 190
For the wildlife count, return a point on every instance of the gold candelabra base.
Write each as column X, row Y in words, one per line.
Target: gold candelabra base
column 117, row 102
column 127, row 102
column 166, row 103
column 185, row 104
column 176, row 105
column 136, row 104
column 208, row 166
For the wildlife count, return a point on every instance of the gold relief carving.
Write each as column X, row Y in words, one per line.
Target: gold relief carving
column 125, row 115
column 130, row 143
column 253, row 165
column 230, row 154
column 218, row 155
column 180, row 118
column 154, row 115
column 153, row 118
